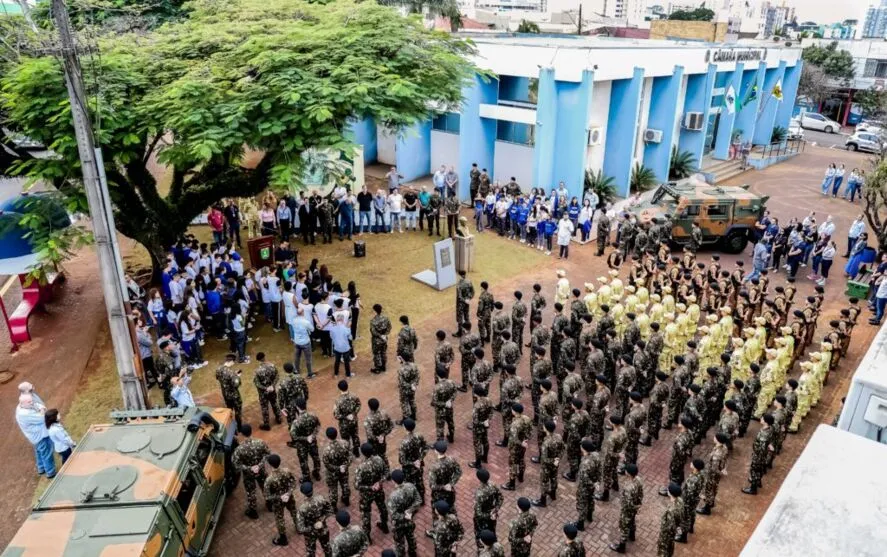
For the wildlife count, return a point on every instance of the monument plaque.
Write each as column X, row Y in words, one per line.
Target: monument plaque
column 444, row 274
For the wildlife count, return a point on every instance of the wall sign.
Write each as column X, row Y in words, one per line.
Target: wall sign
column 736, row 55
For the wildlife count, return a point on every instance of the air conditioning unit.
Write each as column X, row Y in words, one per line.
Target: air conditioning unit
column 694, row 121
column 595, row 135
column 652, row 136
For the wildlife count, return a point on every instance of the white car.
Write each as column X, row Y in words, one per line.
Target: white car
column 816, row 121
column 871, row 127
column 795, row 131
column 865, row 141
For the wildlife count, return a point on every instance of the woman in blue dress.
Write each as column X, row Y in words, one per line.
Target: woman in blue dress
column 852, row 268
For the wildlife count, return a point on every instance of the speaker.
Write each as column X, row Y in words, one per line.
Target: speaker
column 360, row 248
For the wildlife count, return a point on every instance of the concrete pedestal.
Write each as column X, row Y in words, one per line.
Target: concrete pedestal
column 464, row 253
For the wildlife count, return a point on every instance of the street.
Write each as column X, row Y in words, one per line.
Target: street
column 829, row 140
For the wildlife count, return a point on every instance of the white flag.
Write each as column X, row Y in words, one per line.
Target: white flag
column 730, row 99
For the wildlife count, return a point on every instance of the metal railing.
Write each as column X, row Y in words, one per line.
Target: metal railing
column 788, row 147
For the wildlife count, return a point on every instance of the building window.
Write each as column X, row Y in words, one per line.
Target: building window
column 518, row 91
column 515, row 132
column 881, row 69
column 448, row 122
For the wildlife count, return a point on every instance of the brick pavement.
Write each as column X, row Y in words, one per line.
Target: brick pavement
column 736, row 514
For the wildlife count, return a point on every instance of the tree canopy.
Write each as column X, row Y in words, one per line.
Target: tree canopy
column 274, row 76
column 873, row 102
column 699, row 14
column 835, row 63
column 528, row 27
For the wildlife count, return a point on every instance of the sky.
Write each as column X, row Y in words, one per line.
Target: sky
column 830, row 11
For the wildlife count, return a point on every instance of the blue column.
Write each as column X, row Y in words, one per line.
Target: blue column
column 789, row 94
column 363, row 133
column 477, row 136
column 413, row 151
column 728, row 119
column 767, row 111
column 571, row 141
column 625, row 102
column 546, row 130
column 746, row 118
column 698, row 99
column 663, row 114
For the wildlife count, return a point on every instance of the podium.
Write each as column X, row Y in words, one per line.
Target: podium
column 444, row 274
column 261, row 251
column 464, row 253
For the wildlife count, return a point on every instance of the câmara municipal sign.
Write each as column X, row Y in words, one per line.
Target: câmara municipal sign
column 735, row 55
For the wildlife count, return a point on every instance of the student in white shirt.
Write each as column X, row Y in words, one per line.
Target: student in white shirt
column 61, row 441
column 181, row 392
column 177, row 291
column 275, row 298
column 323, row 323
column 289, row 307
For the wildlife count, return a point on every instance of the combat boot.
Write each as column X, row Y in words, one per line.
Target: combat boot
column 602, row 496
column 569, row 476
column 281, row 541
column 704, row 510
column 631, row 534
column 750, row 490
column 540, row 502
column 520, row 477
column 502, row 443
column 682, row 538
column 269, row 506
column 646, row 441
column 508, row 486
column 316, row 475
column 476, row 464
column 251, row 513
column 346, row 501
column 618, row 547
column 553, row 494
column 580, row 525
column 486, row 457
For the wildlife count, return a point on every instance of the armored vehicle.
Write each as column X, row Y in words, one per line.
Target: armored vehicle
column 726, row 214
column 152, row 483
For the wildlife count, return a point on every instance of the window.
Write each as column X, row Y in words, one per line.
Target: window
column 515, row 132
column 514, row 90
column 881, row 69
column 690, row 211
column 718, row 212
column 448, row 122
column 817, row 117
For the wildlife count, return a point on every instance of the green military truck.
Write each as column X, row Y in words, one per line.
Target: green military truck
column 150, row 484
column 726, row 214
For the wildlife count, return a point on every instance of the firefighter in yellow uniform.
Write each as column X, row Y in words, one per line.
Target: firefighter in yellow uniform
column 768, row 383
column 804, row 395
column 656, row 310
column 671, row 339
column 616, row 286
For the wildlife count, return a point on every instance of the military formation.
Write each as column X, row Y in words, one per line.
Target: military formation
column 663, row 341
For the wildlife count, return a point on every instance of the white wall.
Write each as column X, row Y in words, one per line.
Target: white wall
column 600, row 111
column 643, row 118
column 386, row 145
column 513, row 159
column 444, row 149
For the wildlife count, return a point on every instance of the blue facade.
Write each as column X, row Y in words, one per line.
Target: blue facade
column 546, row 129
column 477, row 137
column 663, row 115
column 573, row 105
column 789, row 94
column 769, row 104
column 414, row 151
column 752, row 89
column 698, row 99
column 728, row 117
column 625, row 102
column 363, row 132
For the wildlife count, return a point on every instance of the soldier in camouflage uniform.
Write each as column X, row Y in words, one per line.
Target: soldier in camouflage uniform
column 634, row 421
column 571, row 547
column 380, row 328
column 489, row 547
column 695, row 409
column 548, row 408
column 681, row 450
column 443, row 475
column 447, row 530
column 443, row 354
column 487, row 502
column 589, row 476
column 511, row 393
column 518, row 439
column 265, row 381
column 760, row 455
column 691, row 491
column 481, row 372
column 500, row 324
column 550, row 458
column 407, row 385
column 229, row 381
column 403, row 503
column 464, row 294
column 279, row 488
column 677, row 395
column 540, row 368
column 345, row 411
column 560, row 328
column 751, row 391
column 603, row 232
column 521, row 529
column 378, row 425
column 780, row 425
column 597, row 412
column 480, row 426
column 291, row 388
column 442, row 399
column 484, row 312
column 729, row 422
column 326, row 213
column 304, row 435
column 624, row 380
column 594, row 365
column 655, row 408
column 518, row 320
column 575, row 431
column 714, row 469
column 166, row 370
column 249, row 459
column 537, row 304
column 368, row 478
column 578, row 311
column 467, row 344
column 632, row 497
column 336, row 460
column 351, row 541
column 613, row 447
column 566, row 363
column 509, row 355
column 407, row 341
column 311, row 521
column 411, row 456
column 669, row 524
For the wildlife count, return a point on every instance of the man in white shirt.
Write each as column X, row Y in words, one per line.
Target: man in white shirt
column 395, row 206
column 275, row 297
column 856, row 228
column 440, row 180
column 30, row 419
column 827, row 228
column 177, row 291
column 323, row 323
column 181, row 392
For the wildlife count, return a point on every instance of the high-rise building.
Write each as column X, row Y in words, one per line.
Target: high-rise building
column 875, row 25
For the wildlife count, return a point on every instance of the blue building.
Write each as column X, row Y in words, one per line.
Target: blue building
column 560, row 105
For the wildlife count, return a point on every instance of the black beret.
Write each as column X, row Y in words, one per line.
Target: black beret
column 367, row 450
column 343, row 518
column 674, row 489
column 524, row 504
column 307, row 488
column 441, row 446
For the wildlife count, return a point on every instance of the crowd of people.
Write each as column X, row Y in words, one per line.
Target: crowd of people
column 834, row 179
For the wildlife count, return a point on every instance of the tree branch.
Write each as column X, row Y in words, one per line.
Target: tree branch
column 205, row 189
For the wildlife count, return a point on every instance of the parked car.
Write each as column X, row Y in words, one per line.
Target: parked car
column 872, row 126
column 816, row 121
column 865, row 141
column 795, row 131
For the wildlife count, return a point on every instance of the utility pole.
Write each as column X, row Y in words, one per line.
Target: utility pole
column 579, row 25
column 102, row 217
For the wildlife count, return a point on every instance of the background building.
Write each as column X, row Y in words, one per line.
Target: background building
column 875, row 24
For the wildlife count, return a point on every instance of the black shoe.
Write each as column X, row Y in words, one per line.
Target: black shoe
column 663, row 491
column 507, row 486
column 750, row 490
column 382, row 526
column 502, row 443
column 265, row 427
column 251, row 513
column 580, row 525
column 281, row 541
column 704, row 510
column 475, row 464
column 346, row 502
column 605, row 496
column 569, row 477
column 291, row 444
column 269, row 506
column 534, row 459
column 681, row 539
column 462, row 388
column 539, row 502
column 618, row 547
column 429, row 534
column 451, row 438
column 520, row 477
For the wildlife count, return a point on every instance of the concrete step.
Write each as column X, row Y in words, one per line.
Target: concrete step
column 729, row 173
column 721, row 166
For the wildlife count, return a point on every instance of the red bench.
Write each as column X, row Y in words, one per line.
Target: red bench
column 34, row 295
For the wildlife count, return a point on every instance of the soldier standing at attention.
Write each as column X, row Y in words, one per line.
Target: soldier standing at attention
column 511, row 393
column 695, row 237
column 603, row 233
column 167, row 369
column 655, row 408
column 501, row 323
column 597, row 412
column 291, row 388
column 550, row 459
column 672, row 518
column 481, row 372
column 487, row 502
column 304, row 436
column 559, row 328
column 345, row 411
column 407, row 341
column 681, row 449
column 760, row 455
column 751, row 391
column 480, row 426
column 279, row 488
column 537, row 304
column 351, row 541
column 691, row 491
column 443, row 476
column 613, row 446
column 447, row 530
column 378, row 425
column 518, row 440
column 336, row 459
column 464, row 294
column 473, row 180
column 518, row 320
column 521, row 529
column 380, row 328
column 634, row 421
column 467, row 344
column 311, row 521
column 578, row 310
column 411, row 456
column 265, row 381
column 249, row 459
column 443, row 354
column 368, row 478
column 403, row 503
column 442, row 398
column 571, row 547
column 489, row 546
column 547, row 411
column 589, row 476
column 509, row 353
column 575, row 431
column 540, row 369
column 407, row 385
column 716, row 467
column 632, row 498
column 229, row 381
column 485, row 303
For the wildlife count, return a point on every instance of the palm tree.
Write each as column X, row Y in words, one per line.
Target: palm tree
column 527, row 27
column 642, row 178
column 779, row 134
column 603, row 186
column 683, row 163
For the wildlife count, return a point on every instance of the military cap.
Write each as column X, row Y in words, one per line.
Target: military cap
column 615, row 419
column 479, row 353
column 631, row 469
column 409, row 424
column 332, row 433
column 601, row 378
column 793, row 383
column 674, row 489
column 397, row 476
column 687, row 422
column 738, row 384
column 696, row 388
column 571, row 531
column 301, row 403
column 483, row 475
column 605, row 308
column 755, row 368
column 480, row 390
column 661, row 375
column 442, row 507
column 588, row 445
column 549, row 425
column 246, row 430
column 679, row 360
column 343, row 518
column 367, row 450
column 343, row 385
column 635, row 396
column 373, row 403
column 524, row 504
column 307, row 488
column 630, row 315
column 576, row 402
column 781, row 399
column 699, row 464
column 487, row 537
column 517, row 407
column 545, row 384
column 443, row 373
column 441, row 446
column 769, row 419
column 722, row 438
column 388, row 553
column 731, row 404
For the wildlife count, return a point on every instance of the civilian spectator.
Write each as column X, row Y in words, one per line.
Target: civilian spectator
column 61, row 441
column 856, row 228
column 30, row 419
column 364, row 209
column 340, row 335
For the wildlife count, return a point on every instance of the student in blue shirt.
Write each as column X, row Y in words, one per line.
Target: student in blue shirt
column 340, row 335
column 523, row 213
column 573, row 213
column 512, row 220
column 479, row 213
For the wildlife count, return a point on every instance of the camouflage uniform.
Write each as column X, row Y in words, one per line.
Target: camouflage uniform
column 446, row 533
column 760, row 456
column 377, row 426
column 411, row 455
column 336, row 460
column 350, row 542
column 518, row 434
column 677, row 395
column 578, row 310
column 541, row 369
column 304, row 434
column 464, row 294
column 658, row 403
column 559, row 326
column 690, row 493
column 613, row 446
column 313, row 511
column 672, row 517
column 480, row 426
column 624, row 380
column 634, row 421
column 518, row 320
column 265, row 378
column 537, row 304
column 681, row 449
column 487, row 502
column 368, row 478
column 443, row 357
column 501, row 323
column 407, row 384
column 575, row 431
column 442, row 398
column 511, row 393
column 603, row 233
column 348, row 405
column 403, row 503
column 632, row 497
column 380, row 328
column 484, row 315
column 281, row 482
column 166, row 370
column 251, row 452
column 548, row 408
column 444, row 471
column 519, row 529
column 597, row 414
column 751, row 390
column 589, row 475
column 229, row 381
column 327, row 217
column 407, row 343
column 550, row 459
column 509, row 353
column 481, row 374
column 714, row 468
column 290, row 389
column 467, row 344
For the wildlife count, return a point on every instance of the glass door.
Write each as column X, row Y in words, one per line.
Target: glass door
column 711, row 132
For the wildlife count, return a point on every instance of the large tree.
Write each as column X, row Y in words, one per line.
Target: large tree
column 874, row 196
column 835, row 63
column 274, row 76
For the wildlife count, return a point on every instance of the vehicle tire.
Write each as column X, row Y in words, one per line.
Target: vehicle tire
column 852, row 147
column 735, row 241
column 829, row 129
